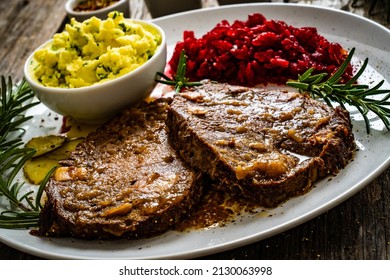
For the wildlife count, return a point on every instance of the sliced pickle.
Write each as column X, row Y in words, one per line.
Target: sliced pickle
column 46, row 144
column 36, row 169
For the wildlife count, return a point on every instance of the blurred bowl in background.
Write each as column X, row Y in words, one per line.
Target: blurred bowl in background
column 158, row 8
column 122, row 6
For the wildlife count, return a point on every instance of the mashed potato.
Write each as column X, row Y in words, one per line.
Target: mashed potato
column 94, row 51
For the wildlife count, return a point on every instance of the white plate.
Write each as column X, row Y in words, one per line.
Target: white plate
column 370, row 39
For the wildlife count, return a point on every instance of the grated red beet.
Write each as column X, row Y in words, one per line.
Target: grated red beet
column 257, row 51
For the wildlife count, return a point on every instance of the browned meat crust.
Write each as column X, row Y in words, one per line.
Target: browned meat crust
column 123, row 181
column 267, row 145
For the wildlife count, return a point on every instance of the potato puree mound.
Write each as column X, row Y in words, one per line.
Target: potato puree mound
column 94, row 51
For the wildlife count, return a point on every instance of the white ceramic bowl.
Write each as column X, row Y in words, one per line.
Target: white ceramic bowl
column 122, row 6
column 97, row 103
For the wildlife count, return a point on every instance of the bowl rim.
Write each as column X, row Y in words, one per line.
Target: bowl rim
column 160, row 51
column 70, row 4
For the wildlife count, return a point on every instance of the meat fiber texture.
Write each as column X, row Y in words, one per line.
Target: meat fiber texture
column 268, row 145
column 123, row 181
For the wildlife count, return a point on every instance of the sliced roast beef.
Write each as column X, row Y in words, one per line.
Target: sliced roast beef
column 124, row 181
column 268, row 145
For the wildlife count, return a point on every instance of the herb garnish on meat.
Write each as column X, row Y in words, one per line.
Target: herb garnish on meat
column 357, row 95
column 330, row 90
column 179, row 80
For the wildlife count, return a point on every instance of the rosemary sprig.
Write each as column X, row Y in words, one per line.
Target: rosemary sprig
column 179, row 80
column 356, row 95
column 24, row 209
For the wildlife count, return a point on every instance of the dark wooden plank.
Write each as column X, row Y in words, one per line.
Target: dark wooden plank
column 24, row 25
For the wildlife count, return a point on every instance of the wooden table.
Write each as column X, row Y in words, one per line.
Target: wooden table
column 359, row 228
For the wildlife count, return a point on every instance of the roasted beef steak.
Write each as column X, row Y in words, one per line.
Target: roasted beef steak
column 125, row 180
column 269, row 145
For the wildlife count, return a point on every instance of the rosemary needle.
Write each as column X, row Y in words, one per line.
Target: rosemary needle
column 356, row 95
column 179, row 80
column 24, row 209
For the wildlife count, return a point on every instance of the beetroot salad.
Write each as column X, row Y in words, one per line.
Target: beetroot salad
column 257, row 51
